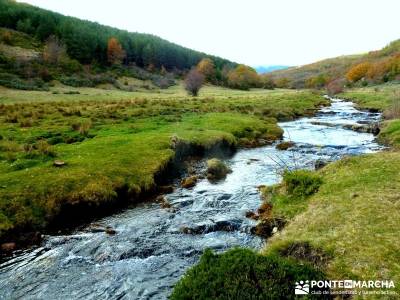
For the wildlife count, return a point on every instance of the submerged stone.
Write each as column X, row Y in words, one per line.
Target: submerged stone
column 284, row 145
column 189, row 182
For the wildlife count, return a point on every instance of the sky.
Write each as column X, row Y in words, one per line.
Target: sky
column 253, row 32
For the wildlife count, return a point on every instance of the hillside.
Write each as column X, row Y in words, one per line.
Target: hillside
column 374, row 67
column 87, row 41
column 39, row 47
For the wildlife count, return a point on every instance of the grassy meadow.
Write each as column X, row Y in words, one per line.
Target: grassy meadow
column 385, row 98
column 113, row 141
column 351, row 223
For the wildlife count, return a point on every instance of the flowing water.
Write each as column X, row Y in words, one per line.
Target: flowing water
column 150, row 253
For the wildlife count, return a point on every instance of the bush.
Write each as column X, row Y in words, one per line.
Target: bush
column 76, row 81
column 87, row 80
column 70, row 65
column 163, row 82
column 244, row 274
column 301, row 183
column 14, row 82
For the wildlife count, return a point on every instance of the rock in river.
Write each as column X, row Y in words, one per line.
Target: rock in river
column 216, row 169
column 189, row 182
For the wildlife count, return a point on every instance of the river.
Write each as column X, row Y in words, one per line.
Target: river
column 149, row 252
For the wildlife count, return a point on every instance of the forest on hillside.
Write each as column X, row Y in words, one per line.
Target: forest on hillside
column 87, row 41
column 38, row 46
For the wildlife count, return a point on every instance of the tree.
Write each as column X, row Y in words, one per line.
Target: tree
column 317, row 82
column 54, row 50
column 282, row 83
column 207, row 68
column 193, row 82
column 267, row 82
column 243, row 78
column 115, row 52
column 358, row 71
column 25, row 26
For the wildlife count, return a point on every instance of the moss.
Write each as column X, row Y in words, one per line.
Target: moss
column 216, row 169
column 243, row 274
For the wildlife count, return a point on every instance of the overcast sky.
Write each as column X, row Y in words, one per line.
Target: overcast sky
column 254, row 32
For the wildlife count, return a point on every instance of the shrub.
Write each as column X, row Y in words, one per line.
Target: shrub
column 44, row 148
column 317, row 82
column 76, row 81
column 244, row 274
column 82, row 127
column 301, row 183
column 163, row 82
column 14, row 82
column 70, row 65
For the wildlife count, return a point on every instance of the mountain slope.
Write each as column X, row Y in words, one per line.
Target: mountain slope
column 87, row 41
column 380, row 66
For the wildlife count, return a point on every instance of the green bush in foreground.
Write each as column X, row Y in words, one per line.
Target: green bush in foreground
column 243, row 274
column 301, row 183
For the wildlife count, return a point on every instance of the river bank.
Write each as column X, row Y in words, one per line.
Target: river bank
column 151, row 250
column 345, row 225
column 112, row 150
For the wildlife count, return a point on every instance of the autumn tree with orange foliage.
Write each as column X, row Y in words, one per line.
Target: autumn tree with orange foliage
column 207, row 68
column 243, row 78
column 115, row 52
column 358, row 71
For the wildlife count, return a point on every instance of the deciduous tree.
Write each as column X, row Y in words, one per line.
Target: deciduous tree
column 193, row 82
column 54, row 50
column 115, row 52
column 243, row 78
column 358, row 71
column 207, row 68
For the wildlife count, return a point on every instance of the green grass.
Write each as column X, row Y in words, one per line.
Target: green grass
column 289, row 198
column 390, row 133
column 384, row 98
column 114, row 141
column 243, row 274
column 354, row 219
column 374, row 97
